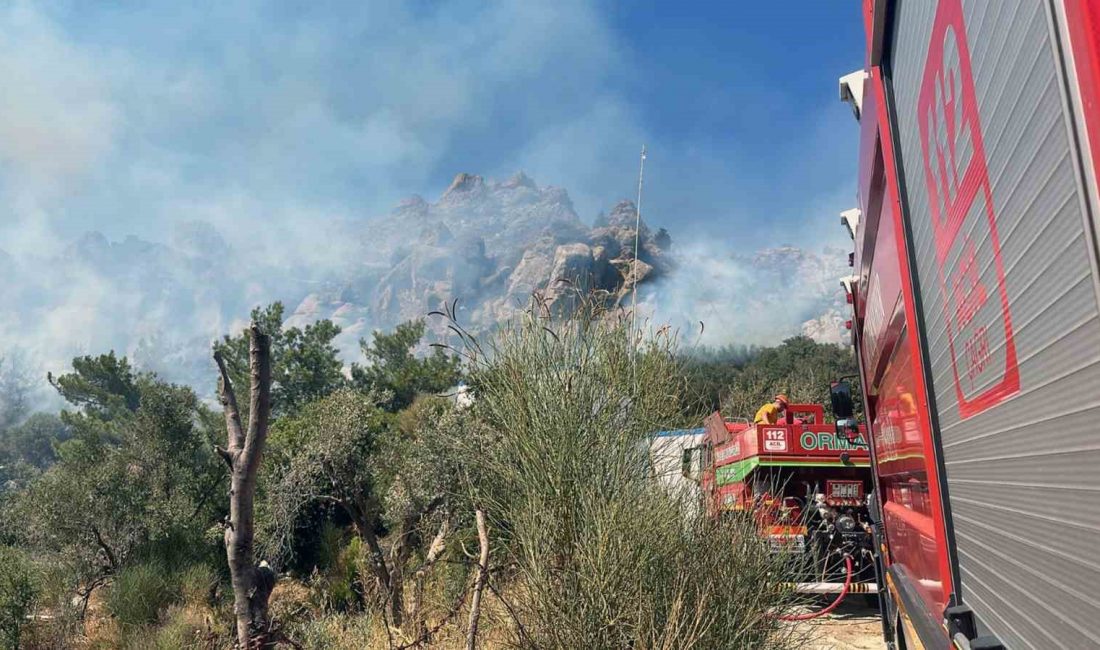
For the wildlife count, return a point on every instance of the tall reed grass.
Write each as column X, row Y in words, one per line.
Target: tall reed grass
column 589, row 549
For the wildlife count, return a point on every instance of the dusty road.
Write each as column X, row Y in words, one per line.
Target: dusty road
column 853, row 626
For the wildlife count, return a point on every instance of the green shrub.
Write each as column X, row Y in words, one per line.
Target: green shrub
column 338, row 632
column 140, row 593
column 196, row 583
column 18, row 595
column 330, row 545
column 340, row 586
column 600, row 554
column 800, row 367
column 182, row 628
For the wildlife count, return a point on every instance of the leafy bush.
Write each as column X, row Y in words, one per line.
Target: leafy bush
column 196, row 584
column 18, row 595
column 136, row 480
column 139, row 594
column 393, row 369
column 339, row 632
column 183, row 627
column 338, row 585
column 330, row 545
column 710, row 374
column 800, row 367
column 556, row 450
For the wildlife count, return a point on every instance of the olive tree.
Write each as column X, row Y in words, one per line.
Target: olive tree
column 137, row 471
column 385, row 474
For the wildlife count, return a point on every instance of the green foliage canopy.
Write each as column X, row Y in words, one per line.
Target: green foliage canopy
column 709, row 374
column 104, row 387
column 305, row 364
column 392, row 367
column 800, row 367
column 19, row 591
column 137, row 472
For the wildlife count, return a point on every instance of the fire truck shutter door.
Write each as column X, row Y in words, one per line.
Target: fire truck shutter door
column 1006, row 273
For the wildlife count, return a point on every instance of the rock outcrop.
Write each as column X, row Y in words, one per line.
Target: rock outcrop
column 489, row 245
column 492, row 246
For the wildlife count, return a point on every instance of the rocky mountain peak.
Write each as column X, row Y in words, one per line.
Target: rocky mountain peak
column 491, row 245
column 519, row 179
column 464, row 183
column 414, row 205
column 623, row 215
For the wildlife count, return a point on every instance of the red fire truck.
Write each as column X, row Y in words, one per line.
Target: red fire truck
column 976, row 299
column 803, row 483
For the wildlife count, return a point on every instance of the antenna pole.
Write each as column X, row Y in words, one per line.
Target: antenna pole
column 634, row 266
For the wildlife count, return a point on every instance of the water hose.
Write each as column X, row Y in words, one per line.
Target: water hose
column 832, row 605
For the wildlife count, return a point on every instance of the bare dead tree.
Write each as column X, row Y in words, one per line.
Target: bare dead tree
column 482, row 575
column 252, row 583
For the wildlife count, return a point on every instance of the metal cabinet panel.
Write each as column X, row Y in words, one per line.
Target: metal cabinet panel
column 1009, row 296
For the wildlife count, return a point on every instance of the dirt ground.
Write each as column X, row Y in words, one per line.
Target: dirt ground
column 852, row 626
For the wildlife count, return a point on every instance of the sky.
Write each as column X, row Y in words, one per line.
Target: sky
column 262, row 117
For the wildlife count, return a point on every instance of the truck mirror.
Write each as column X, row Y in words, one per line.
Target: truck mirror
column 840, row 395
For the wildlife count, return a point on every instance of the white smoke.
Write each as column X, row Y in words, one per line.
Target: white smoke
column 245, row 168
column 717, row 296
column 162, row 305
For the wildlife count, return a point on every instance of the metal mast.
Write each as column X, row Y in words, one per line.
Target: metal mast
column 637, row 233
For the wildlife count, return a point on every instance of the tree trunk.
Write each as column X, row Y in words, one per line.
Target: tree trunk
column 252, row 584
column 434, row 551
column 408, row 540
column 397, row 595
column 365, row 528
column 482, row 575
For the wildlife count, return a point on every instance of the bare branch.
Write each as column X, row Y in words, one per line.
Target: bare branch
column 511, row 612
column 408, row 533
column 436, row 548
column 111, row 559
column 225, row 454
column 427, row 634
column 482, row 575
column 434, row 551
column 233, row 427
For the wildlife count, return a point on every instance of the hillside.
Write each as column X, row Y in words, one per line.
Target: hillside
column 487, row 244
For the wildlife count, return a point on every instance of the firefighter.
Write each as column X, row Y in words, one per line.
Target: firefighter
column 769, row 413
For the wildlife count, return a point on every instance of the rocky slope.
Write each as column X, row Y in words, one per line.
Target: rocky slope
column 490, row 246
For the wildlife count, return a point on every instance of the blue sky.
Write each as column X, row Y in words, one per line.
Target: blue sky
column 139, row 117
